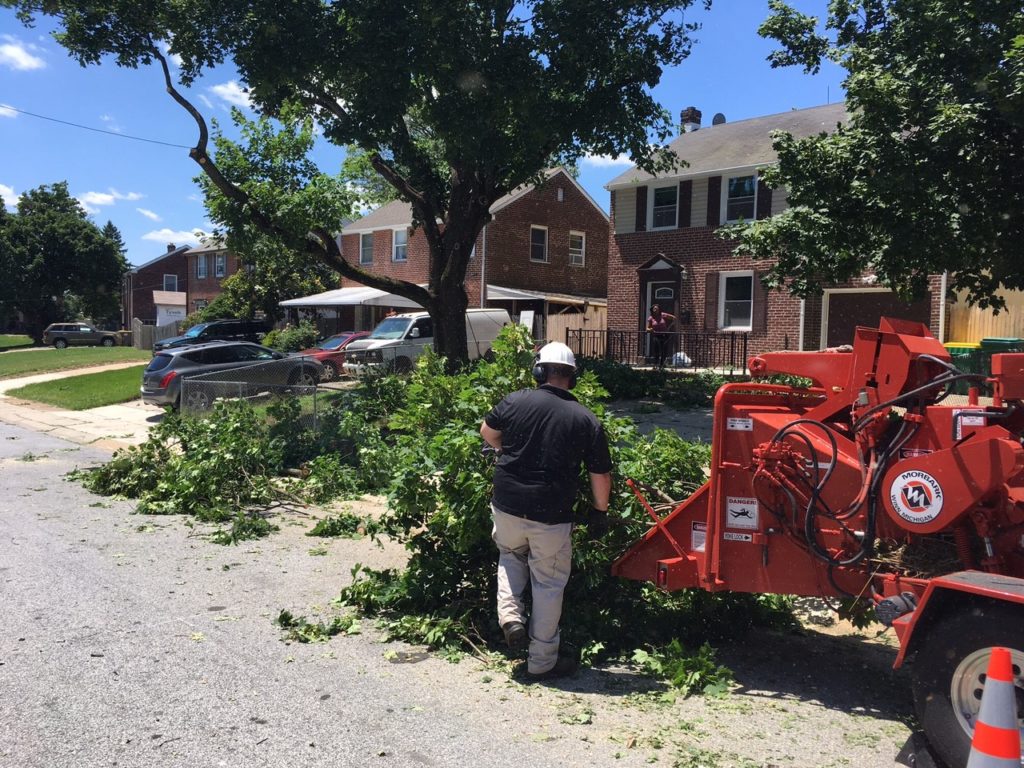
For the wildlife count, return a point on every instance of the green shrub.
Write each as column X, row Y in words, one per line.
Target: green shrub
column 292, row 338
column 679, row 389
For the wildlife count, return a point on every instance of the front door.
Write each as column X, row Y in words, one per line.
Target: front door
column 664, row 295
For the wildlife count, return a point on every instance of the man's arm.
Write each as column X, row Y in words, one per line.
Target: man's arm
column 601, row 489
column 491, row 436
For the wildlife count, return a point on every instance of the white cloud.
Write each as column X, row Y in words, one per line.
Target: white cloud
column 172, row 57
column 7, row 196
column 206, row 100
column 232, row 93
column 111, row 123
column 7, row 111
column 15, row 54
column 149, row 214
column 91, row 201
column 168, row 235
column 606, row 161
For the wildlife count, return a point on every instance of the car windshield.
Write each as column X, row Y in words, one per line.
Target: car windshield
column 391, row 328
column 334, row 341
column 195, row 330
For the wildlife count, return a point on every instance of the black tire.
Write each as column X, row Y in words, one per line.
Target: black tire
column 330, row 371
column 949, row 671
column 107, row 342
column 60, row 344
column 401, row 365
column 304, row 377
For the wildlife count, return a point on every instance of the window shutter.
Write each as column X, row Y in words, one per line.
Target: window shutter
column 715, row 201
column 759, row 312
column 764, row 200
column 685, row 200
column 711, row 301
column 641, row 209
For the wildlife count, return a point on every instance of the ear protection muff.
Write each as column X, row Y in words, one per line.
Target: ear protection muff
column 540, row 372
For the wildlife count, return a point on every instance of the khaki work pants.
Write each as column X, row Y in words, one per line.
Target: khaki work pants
column 539, row 555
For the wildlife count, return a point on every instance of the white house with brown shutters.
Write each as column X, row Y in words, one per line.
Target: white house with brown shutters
column 664, row 248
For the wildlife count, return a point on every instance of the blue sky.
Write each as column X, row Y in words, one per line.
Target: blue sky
column 147, row 189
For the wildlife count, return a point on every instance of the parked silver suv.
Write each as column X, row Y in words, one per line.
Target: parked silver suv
column 254, row 368
column 62, row 335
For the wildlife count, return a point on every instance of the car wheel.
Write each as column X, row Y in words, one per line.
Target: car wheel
column 330, row 371
column 950, row 669
column 400, row 365
column 304, row 377
column 60, row 344
column 197, row 400
column 107, row 342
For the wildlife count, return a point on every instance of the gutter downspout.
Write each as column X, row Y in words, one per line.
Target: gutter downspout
column 943, row 286
column 483, row 268
column 800, row 335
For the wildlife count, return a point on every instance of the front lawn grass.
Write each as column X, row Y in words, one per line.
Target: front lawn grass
column 9, row 341
column 27, row 362
column 90, row 390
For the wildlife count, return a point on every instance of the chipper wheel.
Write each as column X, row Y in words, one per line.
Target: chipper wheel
column 950, row 669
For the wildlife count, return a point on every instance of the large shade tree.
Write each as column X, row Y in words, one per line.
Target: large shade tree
column 456, row 102
column 58, row 265
column 928, row 174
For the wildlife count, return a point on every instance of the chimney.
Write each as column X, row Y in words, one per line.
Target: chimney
column 171, row 247
column 690, row 119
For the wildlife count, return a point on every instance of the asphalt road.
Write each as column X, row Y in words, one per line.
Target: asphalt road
column 123, row 647
column 133, row 641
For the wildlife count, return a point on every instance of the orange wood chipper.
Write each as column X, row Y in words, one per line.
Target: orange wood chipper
column 870, row 485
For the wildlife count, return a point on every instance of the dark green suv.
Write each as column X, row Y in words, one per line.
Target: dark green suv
column 216, row 330
column 63, row 335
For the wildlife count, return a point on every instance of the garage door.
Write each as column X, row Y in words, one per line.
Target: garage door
column 848, row 310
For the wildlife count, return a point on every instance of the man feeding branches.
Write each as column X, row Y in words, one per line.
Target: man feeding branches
column 457, row 102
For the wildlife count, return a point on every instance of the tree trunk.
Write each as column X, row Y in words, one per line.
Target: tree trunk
column 449, row 316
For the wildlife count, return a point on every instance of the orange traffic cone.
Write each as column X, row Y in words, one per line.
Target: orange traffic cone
column 996, row 742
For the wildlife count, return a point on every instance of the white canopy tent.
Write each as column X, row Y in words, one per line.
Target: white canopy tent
column 343, row 297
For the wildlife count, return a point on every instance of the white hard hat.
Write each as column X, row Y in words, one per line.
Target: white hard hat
column 556, row 353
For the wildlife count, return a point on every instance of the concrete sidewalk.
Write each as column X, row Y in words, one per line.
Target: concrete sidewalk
column 109, row 427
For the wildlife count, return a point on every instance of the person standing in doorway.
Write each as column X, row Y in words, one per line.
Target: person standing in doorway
column 542, row 436
column 659, row 325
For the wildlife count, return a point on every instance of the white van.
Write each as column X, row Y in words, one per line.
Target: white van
column 400, row 339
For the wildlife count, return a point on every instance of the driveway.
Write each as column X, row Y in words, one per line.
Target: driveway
column 109, row 427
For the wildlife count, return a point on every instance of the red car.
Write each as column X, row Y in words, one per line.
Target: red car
column 330, row 352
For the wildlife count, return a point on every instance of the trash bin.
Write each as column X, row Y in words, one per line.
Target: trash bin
column 993, row 346
column 969, row 358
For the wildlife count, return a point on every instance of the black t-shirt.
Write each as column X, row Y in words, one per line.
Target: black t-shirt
column 545, row 436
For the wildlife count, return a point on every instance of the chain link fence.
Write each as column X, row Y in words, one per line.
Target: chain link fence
column 261, row 385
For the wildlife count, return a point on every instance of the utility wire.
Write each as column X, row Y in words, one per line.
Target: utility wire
column 96, row 130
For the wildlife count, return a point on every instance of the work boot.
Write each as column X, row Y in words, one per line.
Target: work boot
column 515, row 635
column 564, row 667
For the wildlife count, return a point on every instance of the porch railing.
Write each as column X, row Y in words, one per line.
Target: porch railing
column 687, row 349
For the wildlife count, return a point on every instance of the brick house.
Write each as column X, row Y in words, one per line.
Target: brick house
column 208, row 266
column 545, row 250
column 167, row 274
column 664, row 248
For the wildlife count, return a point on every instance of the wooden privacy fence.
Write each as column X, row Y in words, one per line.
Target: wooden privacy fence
column 590, row 319
column 971, row 324
column 145, row 336
column 718, row 351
